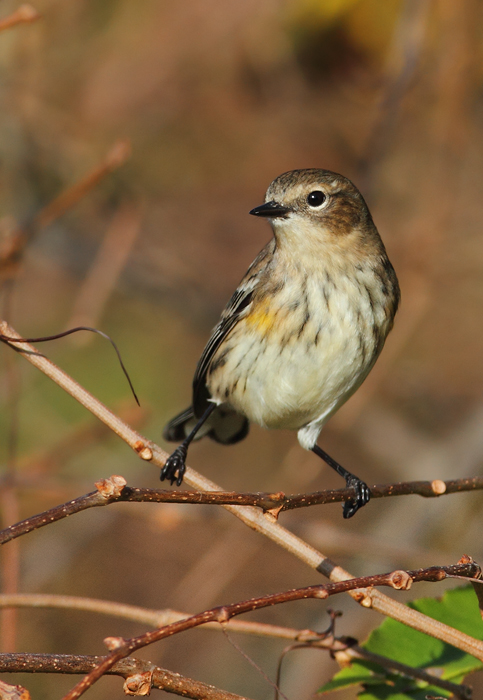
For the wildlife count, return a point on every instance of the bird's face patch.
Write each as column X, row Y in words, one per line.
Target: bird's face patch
column 319, row 198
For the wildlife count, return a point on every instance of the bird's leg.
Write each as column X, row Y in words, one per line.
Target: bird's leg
column 175, row 466
column 363, row 493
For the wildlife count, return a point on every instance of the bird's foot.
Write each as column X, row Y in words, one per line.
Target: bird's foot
column 363, row 495
column 175, row 466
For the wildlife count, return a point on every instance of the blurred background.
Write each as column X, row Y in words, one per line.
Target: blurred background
column 211, row 100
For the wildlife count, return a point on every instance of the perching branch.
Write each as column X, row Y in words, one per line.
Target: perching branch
column 265, row 523
column 114, row 490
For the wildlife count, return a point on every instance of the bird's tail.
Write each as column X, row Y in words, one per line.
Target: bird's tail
column 224, row 425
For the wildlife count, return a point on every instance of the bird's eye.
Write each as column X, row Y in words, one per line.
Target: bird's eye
column 316, row 198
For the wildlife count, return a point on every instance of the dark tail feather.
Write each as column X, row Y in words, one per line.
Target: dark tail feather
column 227, row 426
column 176, row 430
column 224, row 426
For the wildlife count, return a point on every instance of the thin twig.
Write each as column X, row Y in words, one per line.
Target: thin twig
column 137, row 672
column 25, row 14
column 132, row 669
column 47, row 663
column 154, row 618
column 78, row 329
column 403, row 60
column 10, row 510
column 91, row 500
column 274, row 684
column 106, row 268
column 12, row 250
column 399, row 580
column 264, row 523
column 273, row 503
column 116, row 157
column 13, row 692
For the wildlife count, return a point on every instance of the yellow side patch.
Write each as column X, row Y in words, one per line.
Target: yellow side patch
column 262, row 318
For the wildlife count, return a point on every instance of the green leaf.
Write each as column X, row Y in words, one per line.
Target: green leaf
column 402, row 690
column 380, row 683
column 457, row 608
column 355, row 674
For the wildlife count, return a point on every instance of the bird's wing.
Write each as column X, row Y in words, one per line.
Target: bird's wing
column 231, row 315
column 237, row 308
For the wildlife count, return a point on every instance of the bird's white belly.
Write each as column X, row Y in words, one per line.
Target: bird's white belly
column 296, row 371
column 288, row 388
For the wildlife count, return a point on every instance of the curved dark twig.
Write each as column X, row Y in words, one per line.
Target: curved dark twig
column 44, row 338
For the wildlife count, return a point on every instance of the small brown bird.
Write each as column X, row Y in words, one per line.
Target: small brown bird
column 304, row 327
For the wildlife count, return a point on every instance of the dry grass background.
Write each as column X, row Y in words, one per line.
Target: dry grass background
column 217, row 98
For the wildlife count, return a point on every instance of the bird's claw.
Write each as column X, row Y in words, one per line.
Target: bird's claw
column 363, row 495
column 175, row 466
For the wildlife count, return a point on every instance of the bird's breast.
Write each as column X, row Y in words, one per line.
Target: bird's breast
column 303, row 350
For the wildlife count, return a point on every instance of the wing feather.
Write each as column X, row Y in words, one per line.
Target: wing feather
column 237, row 308
column 238, row 303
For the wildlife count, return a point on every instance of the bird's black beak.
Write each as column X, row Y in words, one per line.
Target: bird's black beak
column 271, row 210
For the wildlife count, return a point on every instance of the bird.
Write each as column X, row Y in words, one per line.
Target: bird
column 302, row 330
